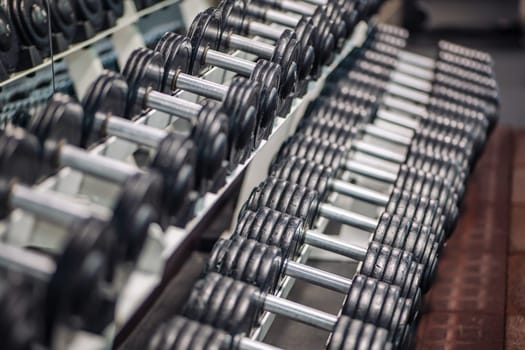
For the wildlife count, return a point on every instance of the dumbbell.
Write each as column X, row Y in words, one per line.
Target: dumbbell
column 30, row 20
column 234, row 18
column 322, row 39
column 455, row 55
column 338, row 127
column 267, row 73
column 73, row 292
column 181, row 55
column 145, row 74
column 264, row 266
column 443, row 68
column 411, row 206
column 103, row 105
column 114, row 6
column 348, row 11
column 286, row 53
column 442, row 87
column 377, row 260
column 440, row 142
column 416, row 103
column 468, row 125
column 319, row 14
column 9, row 45
column 406, row 178
column 391, row 229
column 176, row 175
column 180, row 333
column 236, row 307
column 137, row 206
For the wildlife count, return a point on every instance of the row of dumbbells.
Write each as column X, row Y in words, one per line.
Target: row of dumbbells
column 426, row 151
column 25, row 27
column 78, row 287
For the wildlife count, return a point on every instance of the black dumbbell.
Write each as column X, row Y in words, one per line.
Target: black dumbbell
column 240, row 100
column 406, row 178
column 137, row 206
column 402, row 203
column 70, row 293
column 235, row 19
column 322, row 39
column 235, row 307
column 264, row 266
column 441, row 87
column 319, row 14
column 9, row 45
column 30, row 19
column 114, row 6
column 54, row 153
column 440, row 67
column 340, row 128
column 340, row 10
column 209, row 24
column 103, row 107
column 391, row 229
column 147, row 78
column 180, row 333
column 290, row 233
column 441, row 143
column 454, row 56
column 344, row 98
column 266, row 73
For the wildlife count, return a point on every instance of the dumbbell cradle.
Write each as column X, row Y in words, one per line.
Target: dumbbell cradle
column 175, row 152
column 264, row 265
column 406, row 178
column 148, row 71
column 180, row 333
column 235, row 307
column 235, row 19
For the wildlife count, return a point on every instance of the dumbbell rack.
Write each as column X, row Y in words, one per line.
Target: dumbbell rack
column 173, row 245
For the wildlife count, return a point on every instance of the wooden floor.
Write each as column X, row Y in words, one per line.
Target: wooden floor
column 478, row 299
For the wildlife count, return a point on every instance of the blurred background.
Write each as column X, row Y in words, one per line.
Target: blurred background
column 495, row 26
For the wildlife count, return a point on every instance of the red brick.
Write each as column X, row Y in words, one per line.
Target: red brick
column 517, row 231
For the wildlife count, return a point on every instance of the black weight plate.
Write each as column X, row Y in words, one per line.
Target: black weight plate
column 78, row 288
column 20, row 157
column 268, row 74
column 143, row 71
column 175, row 160
column 176, row 51
column 91, row 11
column 115, row 6
column 9, row 44
column 286, row 54
column 31, row 20
column 63, row 19
column 139, row 205
column 205, row 32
